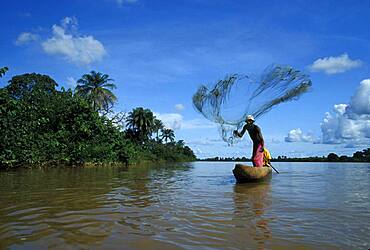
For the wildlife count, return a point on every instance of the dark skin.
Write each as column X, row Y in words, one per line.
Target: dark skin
column 255, row 134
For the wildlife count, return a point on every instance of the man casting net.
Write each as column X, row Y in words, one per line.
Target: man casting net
column 232, row 99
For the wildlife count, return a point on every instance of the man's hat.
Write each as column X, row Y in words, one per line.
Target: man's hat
column 250, row 117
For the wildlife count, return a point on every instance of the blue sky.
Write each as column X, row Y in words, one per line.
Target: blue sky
column 159, row 52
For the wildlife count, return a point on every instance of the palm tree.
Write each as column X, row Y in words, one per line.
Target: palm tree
column 141, row 121
column 3, row 70
column 168, row 134
column 157, row 126
column 96, row 88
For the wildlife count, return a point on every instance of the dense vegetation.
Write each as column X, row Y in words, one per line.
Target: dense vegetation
column 359, row 156
column 40, row 124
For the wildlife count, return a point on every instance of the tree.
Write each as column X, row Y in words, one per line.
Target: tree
column 168, row 135
column 333, row 157
column 28, row 86
column 40, row 124
column 157, row 126
column 363, row 155
column 3, row 70
column 181, row 143
column 141, row 122
column 96, row 88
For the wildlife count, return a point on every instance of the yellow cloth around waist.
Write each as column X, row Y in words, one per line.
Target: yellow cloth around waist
column 266, row 157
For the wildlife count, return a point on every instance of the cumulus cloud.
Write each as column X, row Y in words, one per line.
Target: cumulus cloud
column 349, row 123
column 176, row 121
column 170, row 120
column 179, row 107
column 296, row 135
column 26, row 37
column 65, row 42
column 334, row 65
column 360, row 102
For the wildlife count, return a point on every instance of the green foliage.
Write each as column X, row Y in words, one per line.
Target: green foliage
column 40, row 124
column 3, row 70
column 140, row 124
column 333, row 157
column 363, row 155
column 157, row 126
column 156, row 151
column 96, row 88
column 168, row 135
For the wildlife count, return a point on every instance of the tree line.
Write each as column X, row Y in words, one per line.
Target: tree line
column 358, row 156
column 40, row 124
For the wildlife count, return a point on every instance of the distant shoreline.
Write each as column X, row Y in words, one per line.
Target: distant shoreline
column 359, row 156
column 248, row 160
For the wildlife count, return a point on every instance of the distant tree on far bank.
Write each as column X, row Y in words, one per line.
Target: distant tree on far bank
column 332, row 157
column 359, row 156
column 363, row 155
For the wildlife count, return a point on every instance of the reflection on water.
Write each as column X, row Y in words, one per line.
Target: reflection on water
column 186, row 206
column 251, row 202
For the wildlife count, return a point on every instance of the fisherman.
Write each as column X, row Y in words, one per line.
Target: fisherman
column 258, row 142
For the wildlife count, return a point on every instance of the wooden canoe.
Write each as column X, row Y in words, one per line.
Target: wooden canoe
column 244, row 173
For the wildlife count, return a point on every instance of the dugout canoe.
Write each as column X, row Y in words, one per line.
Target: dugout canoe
column 244, row 173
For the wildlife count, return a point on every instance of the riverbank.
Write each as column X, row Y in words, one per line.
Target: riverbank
column 59, row 165
column 43, row 125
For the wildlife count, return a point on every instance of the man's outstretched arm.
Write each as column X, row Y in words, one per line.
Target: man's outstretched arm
column 241, row 132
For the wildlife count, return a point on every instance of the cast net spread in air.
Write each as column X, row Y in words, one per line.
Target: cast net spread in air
column 232, row 99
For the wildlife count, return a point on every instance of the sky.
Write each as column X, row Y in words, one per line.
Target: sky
column 160, row 52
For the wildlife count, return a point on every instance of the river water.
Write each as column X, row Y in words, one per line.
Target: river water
column 186, row 206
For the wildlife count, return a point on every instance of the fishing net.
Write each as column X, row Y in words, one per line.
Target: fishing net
column 232, row 99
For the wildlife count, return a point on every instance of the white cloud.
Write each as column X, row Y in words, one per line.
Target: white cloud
column 198, row 124
column 275, row 140
column 360, row 102
column 70, row 23
column 176, row 121
column 170, row 120
column 333, row 65
column 179, row 107
column 65, row 42
column 206, row 142
column 296, row 135
column 26, row 37
column 349, row 123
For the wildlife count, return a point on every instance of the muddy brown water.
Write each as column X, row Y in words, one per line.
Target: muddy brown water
column 186, row 206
